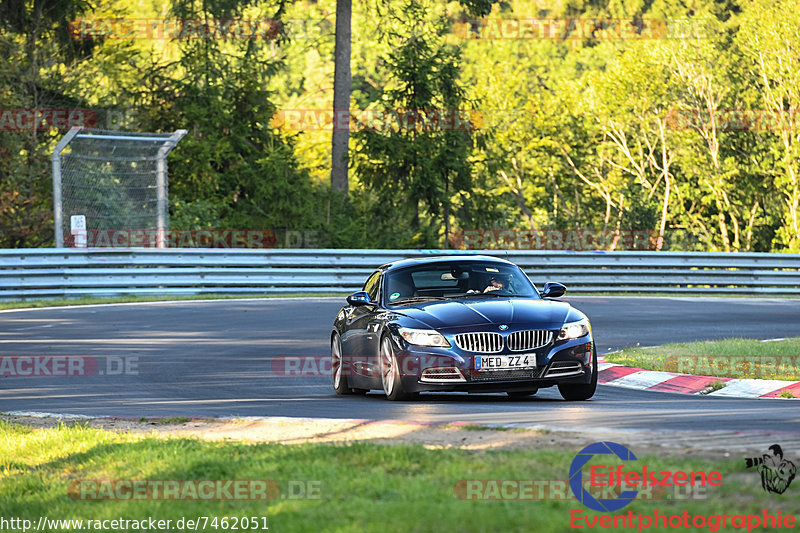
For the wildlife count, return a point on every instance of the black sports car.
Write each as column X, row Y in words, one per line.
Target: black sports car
column 460, row 323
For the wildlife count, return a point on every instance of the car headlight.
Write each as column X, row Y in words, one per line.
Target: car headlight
column 574, row 330
column 423, row 337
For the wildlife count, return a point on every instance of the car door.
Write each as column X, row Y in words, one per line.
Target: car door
column 373, row 326
column 360, row 329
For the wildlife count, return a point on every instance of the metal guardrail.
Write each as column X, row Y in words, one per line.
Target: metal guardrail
column 52, row 273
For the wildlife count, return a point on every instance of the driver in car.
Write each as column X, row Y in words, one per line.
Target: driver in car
column 496, row 283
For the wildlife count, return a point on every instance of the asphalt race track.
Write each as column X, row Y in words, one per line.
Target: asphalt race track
column 213, row 359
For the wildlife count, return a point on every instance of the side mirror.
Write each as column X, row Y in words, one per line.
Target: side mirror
column 553, row 290
column 359, row 298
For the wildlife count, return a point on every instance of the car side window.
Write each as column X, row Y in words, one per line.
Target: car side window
column 372, row 285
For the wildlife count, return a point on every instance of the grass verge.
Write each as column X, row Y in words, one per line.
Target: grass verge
column 732, row 358
column 60, row 302
column 353, row 487
column 682, row 295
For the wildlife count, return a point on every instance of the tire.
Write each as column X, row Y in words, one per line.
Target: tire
column 581, row 391
column 521, row 393
column 340, row 384
column 390, row 374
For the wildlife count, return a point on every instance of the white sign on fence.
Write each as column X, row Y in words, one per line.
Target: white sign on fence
column 77, row 227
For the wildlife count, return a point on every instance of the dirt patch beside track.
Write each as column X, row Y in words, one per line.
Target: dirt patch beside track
column 457, row 435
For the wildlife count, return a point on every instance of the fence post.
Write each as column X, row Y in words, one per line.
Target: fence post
column 161, row 184
column 56, row 159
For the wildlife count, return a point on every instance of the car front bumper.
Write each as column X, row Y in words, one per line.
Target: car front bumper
column 450, row 369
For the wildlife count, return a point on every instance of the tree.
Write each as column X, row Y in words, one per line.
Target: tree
column 770, row 36
column 631, row 101
column 417, row 164
column 37, row 50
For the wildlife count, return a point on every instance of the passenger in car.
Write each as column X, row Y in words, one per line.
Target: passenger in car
column 400, row 287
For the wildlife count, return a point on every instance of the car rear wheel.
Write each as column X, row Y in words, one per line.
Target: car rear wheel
column 521, row 393
column 580, row 391
column 390, row 374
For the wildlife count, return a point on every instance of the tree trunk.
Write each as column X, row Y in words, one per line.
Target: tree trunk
column 447, row 214
column 665, row 162
column 340, row 137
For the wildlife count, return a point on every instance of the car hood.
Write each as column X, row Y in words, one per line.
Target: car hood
column 515, row 312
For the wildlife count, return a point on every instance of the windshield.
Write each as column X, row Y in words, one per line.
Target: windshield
column 436, row 281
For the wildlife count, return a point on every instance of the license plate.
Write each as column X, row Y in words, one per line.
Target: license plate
column 485, row 363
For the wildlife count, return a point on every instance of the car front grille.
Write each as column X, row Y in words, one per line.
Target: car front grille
column 490, row 342
column 480, row 342
column 529, row 339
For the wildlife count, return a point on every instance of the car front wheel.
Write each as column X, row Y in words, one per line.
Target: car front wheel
column 577, row 392
column 337, row 367
column 390, row 374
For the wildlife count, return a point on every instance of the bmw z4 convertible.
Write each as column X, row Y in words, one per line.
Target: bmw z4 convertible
column 460, row 323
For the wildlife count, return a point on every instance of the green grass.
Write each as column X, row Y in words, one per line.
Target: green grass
column 478, row 427
column 26, row 304
column 475, row 427
column 362, row 487
column 733, row 358
column 714, row 387
column 678, row 295
column 165, row 421
column 172, row 420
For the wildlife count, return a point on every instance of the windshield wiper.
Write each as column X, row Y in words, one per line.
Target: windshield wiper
column 490, row 293
column 417, row 299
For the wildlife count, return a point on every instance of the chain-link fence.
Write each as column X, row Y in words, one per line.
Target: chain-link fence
column 110, row 180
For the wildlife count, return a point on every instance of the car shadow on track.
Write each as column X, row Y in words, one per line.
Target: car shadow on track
column 458, row 397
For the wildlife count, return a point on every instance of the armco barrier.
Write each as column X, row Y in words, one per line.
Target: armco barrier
column 50, row 273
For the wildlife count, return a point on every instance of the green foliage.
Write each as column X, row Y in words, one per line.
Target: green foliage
column 577, row 131
column 36, row 51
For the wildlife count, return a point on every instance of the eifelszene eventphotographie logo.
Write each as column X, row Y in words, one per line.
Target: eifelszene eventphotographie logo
column 625, row 477
column 776, row 471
